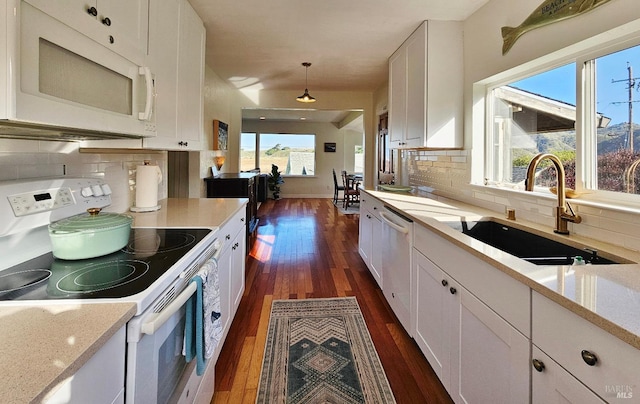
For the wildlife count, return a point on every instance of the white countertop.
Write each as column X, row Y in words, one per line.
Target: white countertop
column 43, row 343
column 190, row 212
column 613, row 299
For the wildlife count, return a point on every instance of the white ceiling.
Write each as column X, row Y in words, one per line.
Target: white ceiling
column 262, row 44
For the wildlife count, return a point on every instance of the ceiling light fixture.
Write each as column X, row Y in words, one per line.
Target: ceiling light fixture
column 306, row 97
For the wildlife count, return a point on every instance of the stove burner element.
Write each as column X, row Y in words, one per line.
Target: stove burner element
column 150, row 254
column 146, row 242
column 102, row 276
column 23, row 279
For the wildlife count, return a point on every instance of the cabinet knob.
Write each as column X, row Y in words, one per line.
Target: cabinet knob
column 227, row 237
column 111, row 39
column 589, row 358
column 538, row 365
column 375, row 208
column 242, row 219
column 453, row 291
column 92, row 11
column 106, row 21
column 444, row 282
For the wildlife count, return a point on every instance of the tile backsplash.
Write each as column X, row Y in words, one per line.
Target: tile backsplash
column 447, row 174
column 27, row 159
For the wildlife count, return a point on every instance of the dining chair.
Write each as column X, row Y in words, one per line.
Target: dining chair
column 337, row 188
column 351, row 193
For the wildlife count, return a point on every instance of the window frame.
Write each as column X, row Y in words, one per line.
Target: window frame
column 586, row 148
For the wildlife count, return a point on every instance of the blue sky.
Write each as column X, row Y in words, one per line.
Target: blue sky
column 560, row 84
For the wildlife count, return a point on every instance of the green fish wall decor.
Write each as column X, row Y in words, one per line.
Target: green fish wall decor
column 548, row 12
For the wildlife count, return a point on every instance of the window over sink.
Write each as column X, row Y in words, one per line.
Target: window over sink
column 584, row 109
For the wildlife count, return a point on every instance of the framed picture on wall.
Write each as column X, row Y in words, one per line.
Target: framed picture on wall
column 330, row 147
column 220, row 135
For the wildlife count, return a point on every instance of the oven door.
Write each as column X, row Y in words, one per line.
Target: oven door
column 68, row 80
column 157, row 372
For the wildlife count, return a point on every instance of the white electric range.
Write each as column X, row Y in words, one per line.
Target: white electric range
column 153, row 271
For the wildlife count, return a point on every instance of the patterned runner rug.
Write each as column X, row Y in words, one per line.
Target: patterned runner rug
column 320, row 351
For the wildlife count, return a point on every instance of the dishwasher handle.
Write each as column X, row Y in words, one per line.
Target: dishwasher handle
column 397, row 227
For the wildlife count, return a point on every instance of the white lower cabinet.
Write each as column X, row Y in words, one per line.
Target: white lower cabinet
column 231, row 268
column 478, row 356
column 492, row 357
column 370, row 236
column 436, row 317
column 550, row 383
column 100, row 380
column 606, row 365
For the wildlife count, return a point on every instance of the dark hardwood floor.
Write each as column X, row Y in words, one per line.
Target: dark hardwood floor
column 305, row 248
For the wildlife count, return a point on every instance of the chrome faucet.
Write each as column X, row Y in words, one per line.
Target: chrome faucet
column 562, row 217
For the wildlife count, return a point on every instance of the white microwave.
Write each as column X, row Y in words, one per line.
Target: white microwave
column 61, row 81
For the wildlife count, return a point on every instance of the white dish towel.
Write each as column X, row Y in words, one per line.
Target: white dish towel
column 211, row 307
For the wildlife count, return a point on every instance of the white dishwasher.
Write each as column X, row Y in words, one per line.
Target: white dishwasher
column 397, row 241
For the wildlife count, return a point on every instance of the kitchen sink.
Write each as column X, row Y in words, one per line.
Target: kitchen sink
column 531, row 247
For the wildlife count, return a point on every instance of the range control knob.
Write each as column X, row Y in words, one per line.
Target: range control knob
column 97, row 190
column 86, row 192
column 106, row 189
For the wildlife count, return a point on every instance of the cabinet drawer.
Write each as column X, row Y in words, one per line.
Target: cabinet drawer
column 553, row 384
column 506, row 296
column 370, row 204
column 233, row 226
column 563, row 336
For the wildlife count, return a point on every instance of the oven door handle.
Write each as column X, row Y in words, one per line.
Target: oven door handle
column 156, row 320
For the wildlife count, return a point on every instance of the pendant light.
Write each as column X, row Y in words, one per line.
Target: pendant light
column 306, row 97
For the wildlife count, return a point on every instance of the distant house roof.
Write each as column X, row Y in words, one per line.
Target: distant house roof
column 535, row 113
column 301, row 163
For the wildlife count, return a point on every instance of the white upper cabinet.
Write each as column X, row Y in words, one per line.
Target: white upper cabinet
column 425, row 88
column 119, row 25
column 176, row 54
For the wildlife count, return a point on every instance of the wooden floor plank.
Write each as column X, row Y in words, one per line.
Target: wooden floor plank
column 261, row 339
column 307, row 248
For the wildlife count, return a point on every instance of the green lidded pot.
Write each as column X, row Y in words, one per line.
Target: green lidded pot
column 89, row 235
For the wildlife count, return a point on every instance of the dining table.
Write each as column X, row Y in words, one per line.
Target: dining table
column 354, row 180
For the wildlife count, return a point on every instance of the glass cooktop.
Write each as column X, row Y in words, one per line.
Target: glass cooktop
column 149, row 254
